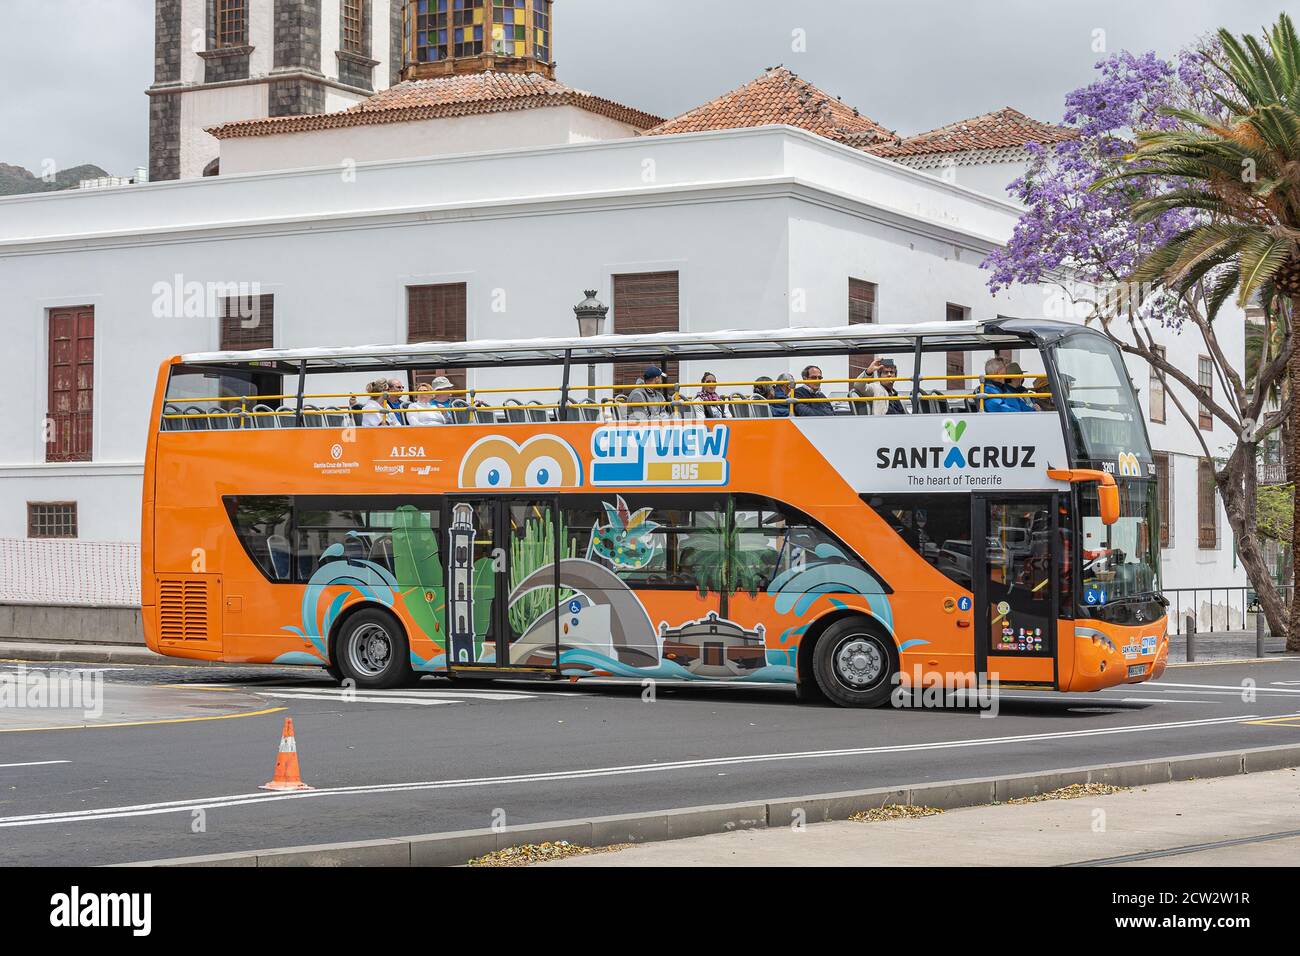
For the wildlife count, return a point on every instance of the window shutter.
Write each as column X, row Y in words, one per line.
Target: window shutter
column 956, row 361
column 645, row 303
column 247, row 323
column 1207, row 514
column 437, row 313
column 862, row 311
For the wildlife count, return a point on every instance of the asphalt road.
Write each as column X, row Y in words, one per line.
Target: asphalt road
column 172, row 765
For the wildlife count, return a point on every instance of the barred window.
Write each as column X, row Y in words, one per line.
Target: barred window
column 353, row 14
column 232, row 23
column 51, row 519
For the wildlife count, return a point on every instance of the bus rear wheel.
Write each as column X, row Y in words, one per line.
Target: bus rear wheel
column 372, row 650
column 855, row 664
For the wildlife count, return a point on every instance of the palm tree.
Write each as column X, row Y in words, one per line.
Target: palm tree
column 1239, row 171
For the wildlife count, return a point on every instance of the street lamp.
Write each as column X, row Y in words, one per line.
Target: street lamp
column 591, row 314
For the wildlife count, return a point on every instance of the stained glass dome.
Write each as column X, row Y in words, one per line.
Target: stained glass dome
column 442, row 37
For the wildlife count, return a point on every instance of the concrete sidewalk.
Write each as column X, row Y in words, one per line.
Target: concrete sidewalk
column 1148, row 820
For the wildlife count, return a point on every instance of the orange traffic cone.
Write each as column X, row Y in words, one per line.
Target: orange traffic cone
column 287, row 775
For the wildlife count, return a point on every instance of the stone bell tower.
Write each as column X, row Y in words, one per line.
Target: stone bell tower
column 217, row 61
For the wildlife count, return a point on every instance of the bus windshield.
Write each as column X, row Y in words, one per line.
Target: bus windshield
column 1120, row 561
column 1104, row 413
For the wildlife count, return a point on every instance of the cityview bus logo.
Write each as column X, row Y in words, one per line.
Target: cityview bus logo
column 660, row 454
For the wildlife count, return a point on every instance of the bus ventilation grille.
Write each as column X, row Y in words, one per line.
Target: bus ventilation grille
column 183, row 610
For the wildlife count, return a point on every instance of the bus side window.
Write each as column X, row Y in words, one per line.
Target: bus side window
column 937, row 527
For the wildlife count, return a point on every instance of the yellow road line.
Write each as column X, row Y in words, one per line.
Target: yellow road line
column 146, row 723
column 1291, row 721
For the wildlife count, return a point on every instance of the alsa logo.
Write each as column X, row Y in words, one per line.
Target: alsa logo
column 407, row 451
column 952, row 455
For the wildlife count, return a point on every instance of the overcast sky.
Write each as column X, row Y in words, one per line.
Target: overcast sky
column 73, row 72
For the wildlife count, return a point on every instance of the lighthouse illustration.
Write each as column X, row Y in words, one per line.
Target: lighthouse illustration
column 460, row 594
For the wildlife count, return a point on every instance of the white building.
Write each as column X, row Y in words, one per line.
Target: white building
column 480, row 207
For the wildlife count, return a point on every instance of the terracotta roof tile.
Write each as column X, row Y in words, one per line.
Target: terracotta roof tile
column 461, row 95
column 1005, row 127
column 779, row 96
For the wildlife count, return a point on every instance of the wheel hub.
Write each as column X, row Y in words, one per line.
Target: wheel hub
column 371, row 649
column 859, row 662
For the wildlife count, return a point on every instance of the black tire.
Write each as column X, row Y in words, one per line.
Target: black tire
column 371, row 649
column 855, row 663
column 335, row 673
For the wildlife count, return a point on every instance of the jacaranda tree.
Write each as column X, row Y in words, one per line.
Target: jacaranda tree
column 1081, row 238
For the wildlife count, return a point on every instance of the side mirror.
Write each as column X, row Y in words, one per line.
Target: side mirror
column 1107, row 490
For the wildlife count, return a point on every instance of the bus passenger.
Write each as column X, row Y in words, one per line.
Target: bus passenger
column 377, row 409
column 425, row 410
column 782, row 389
column 647, row 400
column 709, row 393
column 809, row 397
column 886, row 369
column 1042, row 386
column 992, row 385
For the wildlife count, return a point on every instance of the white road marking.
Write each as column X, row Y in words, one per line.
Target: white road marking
column 356, row 700
column 244, row 799
column 404, row 695
column 1236, row 688
column 1160, row 700
column 33, row 763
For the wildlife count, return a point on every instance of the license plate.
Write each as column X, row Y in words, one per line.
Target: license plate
column 1136, row 670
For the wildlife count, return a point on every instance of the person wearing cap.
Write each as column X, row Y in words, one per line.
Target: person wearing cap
column 996, row 396
column 647, row 399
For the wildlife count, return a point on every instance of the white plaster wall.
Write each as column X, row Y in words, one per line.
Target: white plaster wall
column 336, row 99
column 194, row 37
column 261, row 35
column 202, row 109
column 435, row 137
column 380, row 11
column 330, row 36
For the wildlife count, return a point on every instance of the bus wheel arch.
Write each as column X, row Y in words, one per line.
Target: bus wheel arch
column 369, row 646
column 850, row 658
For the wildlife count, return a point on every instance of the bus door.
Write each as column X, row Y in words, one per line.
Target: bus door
column 1015, row 584
column 501, row 582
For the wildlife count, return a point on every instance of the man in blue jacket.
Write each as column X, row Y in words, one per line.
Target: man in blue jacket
column 1006, row 400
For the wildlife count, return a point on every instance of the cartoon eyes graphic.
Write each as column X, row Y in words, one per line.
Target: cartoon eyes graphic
column 543, row 461
column 544, row 472
column 493, row 472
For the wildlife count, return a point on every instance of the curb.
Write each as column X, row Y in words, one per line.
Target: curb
column 458, row 847
column 89, row 654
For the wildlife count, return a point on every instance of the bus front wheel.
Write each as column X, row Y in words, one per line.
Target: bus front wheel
column 372, row 650
column 855, row 664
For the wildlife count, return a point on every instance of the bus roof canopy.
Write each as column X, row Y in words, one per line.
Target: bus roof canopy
column 601, row 349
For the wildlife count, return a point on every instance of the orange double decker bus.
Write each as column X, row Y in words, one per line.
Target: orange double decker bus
column 962, row 498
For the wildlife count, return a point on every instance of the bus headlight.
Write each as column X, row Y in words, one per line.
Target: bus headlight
column 1097, row 637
